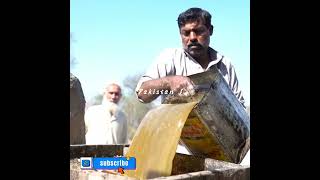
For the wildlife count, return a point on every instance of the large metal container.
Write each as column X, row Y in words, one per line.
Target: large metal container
column 218, row 127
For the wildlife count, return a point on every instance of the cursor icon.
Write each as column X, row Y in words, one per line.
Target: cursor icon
column 120, row 170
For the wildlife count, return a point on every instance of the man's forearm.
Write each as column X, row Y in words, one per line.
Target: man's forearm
column 151, row 89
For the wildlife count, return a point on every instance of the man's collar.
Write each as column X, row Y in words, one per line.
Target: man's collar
column 213, row 55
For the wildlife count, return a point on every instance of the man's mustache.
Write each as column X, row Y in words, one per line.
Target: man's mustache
column 194, row 44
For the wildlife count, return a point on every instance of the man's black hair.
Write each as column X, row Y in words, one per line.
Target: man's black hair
column 194, row 14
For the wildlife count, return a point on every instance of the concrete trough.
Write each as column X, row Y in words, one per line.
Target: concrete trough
column 186, row 167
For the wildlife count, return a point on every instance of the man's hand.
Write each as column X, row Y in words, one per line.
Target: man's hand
column 180, row 85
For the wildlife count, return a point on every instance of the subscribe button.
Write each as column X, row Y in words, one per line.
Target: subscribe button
column 128, row 163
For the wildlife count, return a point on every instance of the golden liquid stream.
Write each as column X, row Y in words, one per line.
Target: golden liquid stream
column 155, row 142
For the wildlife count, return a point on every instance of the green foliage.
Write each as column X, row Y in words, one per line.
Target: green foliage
column 130, row 104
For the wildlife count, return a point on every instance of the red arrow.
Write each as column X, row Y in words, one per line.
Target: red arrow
column 120, row 170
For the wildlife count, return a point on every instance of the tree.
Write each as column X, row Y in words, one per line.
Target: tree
column 97, row 99
column 134, row 109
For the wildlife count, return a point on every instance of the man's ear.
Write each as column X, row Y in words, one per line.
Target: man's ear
column 211, row 30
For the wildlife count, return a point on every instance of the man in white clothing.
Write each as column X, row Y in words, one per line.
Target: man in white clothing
column 106, row 123
column 168, row 73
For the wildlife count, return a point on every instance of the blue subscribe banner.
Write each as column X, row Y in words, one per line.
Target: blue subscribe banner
column 114, row 163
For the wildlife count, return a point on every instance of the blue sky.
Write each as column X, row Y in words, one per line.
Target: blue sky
column 114, row 39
